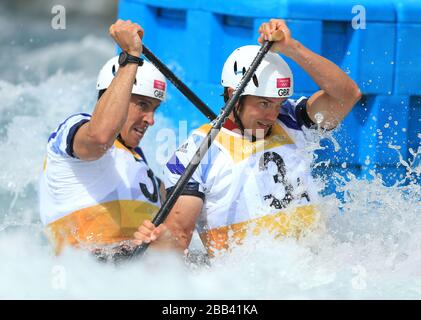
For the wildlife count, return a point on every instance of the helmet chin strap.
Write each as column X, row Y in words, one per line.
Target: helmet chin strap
column 240, row 125
column 238, row 120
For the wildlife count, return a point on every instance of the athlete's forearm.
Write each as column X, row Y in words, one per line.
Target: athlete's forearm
column 180, row 237
column 328, row 76
column 111, row 110
column 182, row 220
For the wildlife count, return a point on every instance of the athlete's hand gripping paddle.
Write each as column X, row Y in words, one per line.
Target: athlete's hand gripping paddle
column 203, row 148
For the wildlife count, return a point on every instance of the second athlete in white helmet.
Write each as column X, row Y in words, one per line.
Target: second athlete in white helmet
column 254, row 177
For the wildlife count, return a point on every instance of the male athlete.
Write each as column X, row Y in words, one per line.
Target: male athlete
column 96, row 188
column 254, row 176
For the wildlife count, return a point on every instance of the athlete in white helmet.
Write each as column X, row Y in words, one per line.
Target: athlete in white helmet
column 254, row 176
column 96, row 188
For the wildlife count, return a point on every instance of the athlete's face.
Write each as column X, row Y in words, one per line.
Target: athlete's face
column 258, row 114
column 140, row 116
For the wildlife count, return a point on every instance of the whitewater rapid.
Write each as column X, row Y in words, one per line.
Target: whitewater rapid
column 369, row 247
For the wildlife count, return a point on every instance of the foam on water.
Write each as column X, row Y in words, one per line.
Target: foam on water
column 369, row 245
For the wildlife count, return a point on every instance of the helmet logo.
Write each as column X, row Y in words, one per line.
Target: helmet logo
column 159, row 94
column 160, row 85
column 243, row 71
column 283, row 83
column 283, row 92
column 256, row 83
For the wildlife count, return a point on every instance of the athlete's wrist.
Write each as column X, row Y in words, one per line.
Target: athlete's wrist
column 292, row 50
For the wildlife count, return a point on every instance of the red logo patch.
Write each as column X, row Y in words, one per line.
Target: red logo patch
column 159, row 85
column 283, row 83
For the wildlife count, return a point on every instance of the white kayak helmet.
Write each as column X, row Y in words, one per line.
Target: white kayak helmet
column 149, row 80
column 272, row 79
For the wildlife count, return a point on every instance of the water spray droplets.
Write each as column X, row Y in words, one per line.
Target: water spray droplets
column 367, row 161
column 319, row 118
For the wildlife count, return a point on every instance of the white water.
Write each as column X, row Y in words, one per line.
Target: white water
column 370, row 247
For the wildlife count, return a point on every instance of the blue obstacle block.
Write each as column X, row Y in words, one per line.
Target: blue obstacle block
column 342, row 149
column 194, row 38
column 414, row 124
column 170, row 4
column 303, row 9
column 376, row 59
column 211, row 95
column 353, row 139
column 380, row 135
column 313, row 41
column 408, row 50
column 383, row 136
column 374, row 133
column 197, row 36
column 167, row 31
column 230, row 32
column 391, row 175
column 367, row 55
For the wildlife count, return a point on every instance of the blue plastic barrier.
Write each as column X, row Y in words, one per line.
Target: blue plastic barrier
column 414, row 123
column 325, row 27
column 408, row 50
column 198, row 35
column 194, row 37
column 372, row 133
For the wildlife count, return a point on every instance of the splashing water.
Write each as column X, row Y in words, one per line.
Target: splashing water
column 369, row 245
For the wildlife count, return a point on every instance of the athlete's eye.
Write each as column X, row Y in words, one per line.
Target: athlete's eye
column 142, row 105
column 264, row 104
